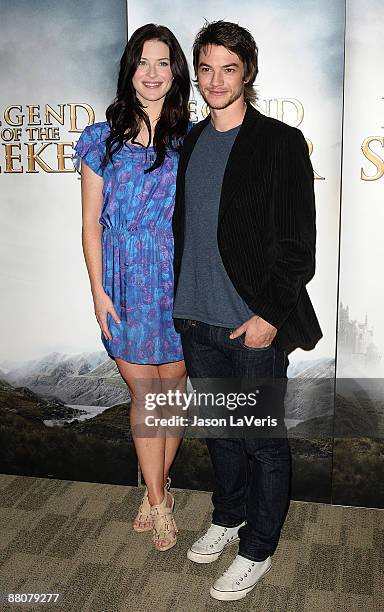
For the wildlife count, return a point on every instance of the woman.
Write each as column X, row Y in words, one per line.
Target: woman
column 129, row 165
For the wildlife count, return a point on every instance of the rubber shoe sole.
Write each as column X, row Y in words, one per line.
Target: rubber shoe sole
column 206, row 558
column 236, row 595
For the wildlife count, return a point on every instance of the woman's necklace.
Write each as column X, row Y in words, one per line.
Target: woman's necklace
column 140, row 137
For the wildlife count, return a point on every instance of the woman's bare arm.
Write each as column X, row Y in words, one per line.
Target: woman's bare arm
column 92, row 202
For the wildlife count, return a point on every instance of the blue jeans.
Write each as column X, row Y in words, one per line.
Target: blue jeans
column 252, row 475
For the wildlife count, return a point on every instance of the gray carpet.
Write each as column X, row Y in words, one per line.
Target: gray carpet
column 75, row 538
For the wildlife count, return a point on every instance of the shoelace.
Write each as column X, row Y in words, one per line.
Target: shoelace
column 235, row 569
column 213, row 532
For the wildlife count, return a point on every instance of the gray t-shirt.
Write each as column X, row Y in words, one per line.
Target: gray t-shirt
column 205, row 292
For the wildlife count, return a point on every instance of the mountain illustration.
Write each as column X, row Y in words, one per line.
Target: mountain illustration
column 87, row 378
column 99, row 450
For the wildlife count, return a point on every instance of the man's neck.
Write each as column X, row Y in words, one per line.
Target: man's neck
column 225, row 119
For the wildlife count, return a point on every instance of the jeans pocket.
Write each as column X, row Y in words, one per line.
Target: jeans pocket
column 241, row 341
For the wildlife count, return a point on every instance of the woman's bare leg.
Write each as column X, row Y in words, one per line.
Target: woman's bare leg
column 173, row 377
column 155, row 454
column 150, row 451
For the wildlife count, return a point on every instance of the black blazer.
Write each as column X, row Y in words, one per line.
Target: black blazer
column 266, row 227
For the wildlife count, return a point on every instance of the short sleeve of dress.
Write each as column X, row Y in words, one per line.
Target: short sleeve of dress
column 89, row 149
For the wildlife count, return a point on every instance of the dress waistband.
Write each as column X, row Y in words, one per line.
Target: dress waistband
column 138, row 229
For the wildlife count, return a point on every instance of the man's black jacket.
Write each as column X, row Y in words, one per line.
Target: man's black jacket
column 266, row 227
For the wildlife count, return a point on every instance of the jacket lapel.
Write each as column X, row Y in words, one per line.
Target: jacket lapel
column 239, row 158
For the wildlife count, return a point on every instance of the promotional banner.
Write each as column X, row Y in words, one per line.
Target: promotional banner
column 63, row 404
column 300, row 82
column 59, row 66
column 359, row 423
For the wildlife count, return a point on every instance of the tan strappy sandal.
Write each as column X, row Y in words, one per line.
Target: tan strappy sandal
column 164, row 525
column 144, row 521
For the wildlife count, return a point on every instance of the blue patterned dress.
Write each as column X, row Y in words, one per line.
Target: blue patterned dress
column 137, row 247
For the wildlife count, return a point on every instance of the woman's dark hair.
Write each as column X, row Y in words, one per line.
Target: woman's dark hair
column 237, row 40
column 126, row 113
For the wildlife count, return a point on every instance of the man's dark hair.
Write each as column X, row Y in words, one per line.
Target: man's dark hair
column 237, row 40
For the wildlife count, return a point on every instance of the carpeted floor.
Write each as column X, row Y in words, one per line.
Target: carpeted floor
column 75, row 538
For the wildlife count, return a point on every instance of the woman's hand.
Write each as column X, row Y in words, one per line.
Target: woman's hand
column 103, row 306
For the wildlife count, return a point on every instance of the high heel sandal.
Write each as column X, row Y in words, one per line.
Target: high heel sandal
column 164, row 525
column 144, row 521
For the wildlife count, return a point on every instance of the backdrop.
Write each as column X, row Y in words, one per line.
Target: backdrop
column 318, row 71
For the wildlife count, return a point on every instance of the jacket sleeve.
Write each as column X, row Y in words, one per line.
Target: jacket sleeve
column 293, row 204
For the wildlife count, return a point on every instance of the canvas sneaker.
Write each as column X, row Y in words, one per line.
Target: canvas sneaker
column 240, row 578
column 209, row 547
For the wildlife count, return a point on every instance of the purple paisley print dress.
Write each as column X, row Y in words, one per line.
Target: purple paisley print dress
column 137, row 247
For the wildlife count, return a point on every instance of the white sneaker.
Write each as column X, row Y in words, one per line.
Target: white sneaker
column 209, row 547
column 240, row 578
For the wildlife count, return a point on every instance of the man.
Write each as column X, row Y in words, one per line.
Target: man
column 244, row 231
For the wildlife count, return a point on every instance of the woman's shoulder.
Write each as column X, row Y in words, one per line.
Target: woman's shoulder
column 97, row 131
column 91, row 146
